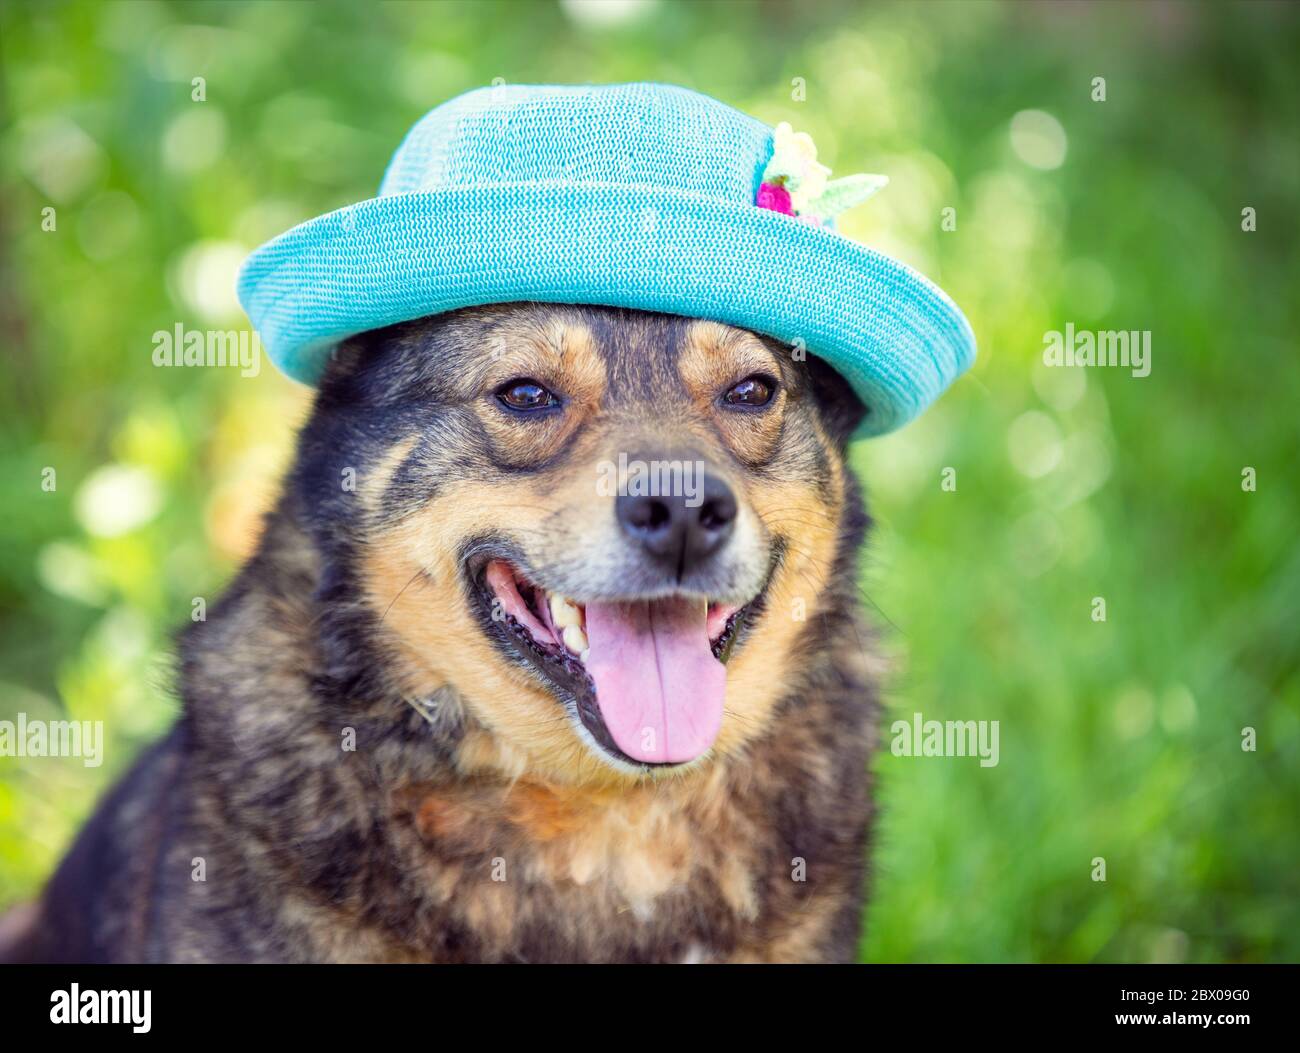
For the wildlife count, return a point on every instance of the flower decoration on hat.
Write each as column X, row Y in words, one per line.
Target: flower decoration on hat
column 795, row 184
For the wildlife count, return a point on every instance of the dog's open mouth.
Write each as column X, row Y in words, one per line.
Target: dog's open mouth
column 647, row 676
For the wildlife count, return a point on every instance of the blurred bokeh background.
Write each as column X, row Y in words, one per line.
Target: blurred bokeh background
column 1120, row 739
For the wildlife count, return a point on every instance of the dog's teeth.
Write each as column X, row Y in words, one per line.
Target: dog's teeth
column 584, row 655
column 564, row 613
column 575, row 639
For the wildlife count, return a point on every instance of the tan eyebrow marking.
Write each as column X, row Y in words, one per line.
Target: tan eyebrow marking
column 558, row 349
column 713, row 354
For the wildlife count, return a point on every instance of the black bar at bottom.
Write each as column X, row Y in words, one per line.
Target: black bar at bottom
column 439, row 1003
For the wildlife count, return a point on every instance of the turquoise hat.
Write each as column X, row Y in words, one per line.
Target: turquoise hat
column 644, row 196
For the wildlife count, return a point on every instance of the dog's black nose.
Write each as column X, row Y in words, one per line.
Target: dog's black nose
column 680, row 529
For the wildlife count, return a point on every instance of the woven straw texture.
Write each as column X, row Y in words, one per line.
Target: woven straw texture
column 634, row 195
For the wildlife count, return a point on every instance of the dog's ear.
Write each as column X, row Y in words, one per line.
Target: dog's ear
column 840, row 408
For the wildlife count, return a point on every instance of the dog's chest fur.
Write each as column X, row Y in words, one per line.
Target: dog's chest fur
column 732, row 863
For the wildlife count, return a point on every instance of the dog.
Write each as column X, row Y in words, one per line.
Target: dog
column 485, row 694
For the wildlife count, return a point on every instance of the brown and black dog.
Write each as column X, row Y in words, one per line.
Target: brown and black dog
column 483, row 696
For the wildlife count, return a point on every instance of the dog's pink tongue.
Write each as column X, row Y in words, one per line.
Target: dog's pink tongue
column 658, row 685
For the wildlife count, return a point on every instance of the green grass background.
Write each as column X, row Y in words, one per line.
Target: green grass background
column 1119, row 740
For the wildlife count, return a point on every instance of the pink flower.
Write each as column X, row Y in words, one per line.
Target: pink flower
column 774, row 198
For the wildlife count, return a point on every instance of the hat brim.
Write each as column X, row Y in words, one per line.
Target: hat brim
column 896, row 337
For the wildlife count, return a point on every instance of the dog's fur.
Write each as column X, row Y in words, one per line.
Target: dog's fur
column 472, row 821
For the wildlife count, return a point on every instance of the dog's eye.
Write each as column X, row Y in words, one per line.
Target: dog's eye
column 525, row 394
column 752, row 392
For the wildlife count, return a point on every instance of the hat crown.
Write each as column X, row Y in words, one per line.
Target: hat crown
column 652, row 135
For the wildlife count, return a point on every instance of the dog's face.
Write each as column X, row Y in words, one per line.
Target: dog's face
column 606, row 530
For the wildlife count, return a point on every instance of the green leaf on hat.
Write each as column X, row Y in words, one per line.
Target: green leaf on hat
column 845, row 193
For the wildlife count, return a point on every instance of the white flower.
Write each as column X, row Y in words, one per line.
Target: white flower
column 794, row 165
